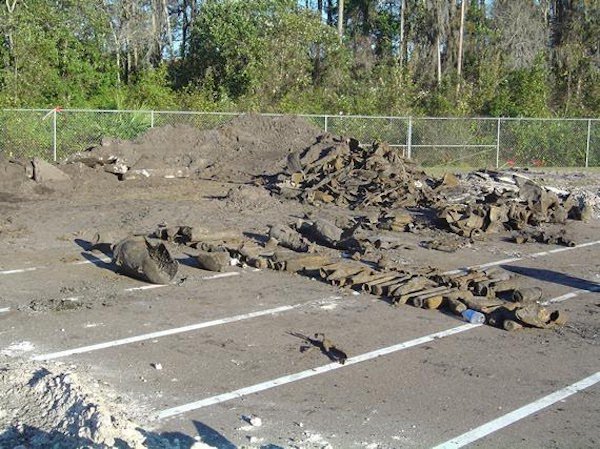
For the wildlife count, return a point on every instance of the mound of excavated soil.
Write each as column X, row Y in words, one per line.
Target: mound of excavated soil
column 45, row 406
column 239, row 150
column 50, row 405
column 259, row 145
column 13, row 179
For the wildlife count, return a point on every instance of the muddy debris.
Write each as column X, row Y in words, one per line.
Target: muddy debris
column 138, row 258
column 493, row 292
column 216, row 260
column 325, row 345
column 549, row 236
column 375, row 180
column 340, row 171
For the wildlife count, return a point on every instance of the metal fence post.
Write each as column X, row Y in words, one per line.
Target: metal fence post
column 587, row 147
column 498, row 144
column 54, row 156
column 409, row 139
column 151, row 119
column 326, row 123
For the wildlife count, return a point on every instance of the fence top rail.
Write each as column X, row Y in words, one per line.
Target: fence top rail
column 274, row 114
column 25, row 110
column 504, row 119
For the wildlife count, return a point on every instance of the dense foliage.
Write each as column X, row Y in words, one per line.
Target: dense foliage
column 392, row 57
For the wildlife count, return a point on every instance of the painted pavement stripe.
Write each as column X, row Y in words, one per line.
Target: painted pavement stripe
column 520, row 413
column 92, row 259
column 526, row 256
column 221, row 275
column 311, row 372
column 19, row 270
column 168, row 332
column 173, row 411
column 232, row 319
column 145, row 287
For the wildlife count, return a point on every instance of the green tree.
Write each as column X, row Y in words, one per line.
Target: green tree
column 266, row 49
column 54, row 53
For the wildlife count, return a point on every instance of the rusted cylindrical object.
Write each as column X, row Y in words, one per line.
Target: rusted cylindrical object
column 511, row 325
column 311, row 262
column 362, row 277
column 476, row 234
column 504, row 286
column 467, row 278
column 418, row 298
column 328, row 269
column 433, row 302
column 455, row 306
column 413, row 285
column 520, row 239
column 481, row 288
column 343, row 272
column 213, row 261
column 375, row 286
column 461, row 295
column 528, row 294
column 257, row 262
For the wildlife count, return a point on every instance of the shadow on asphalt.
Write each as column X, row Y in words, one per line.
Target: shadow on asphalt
column 29, row 436
column 99, row 262
column 556, row 277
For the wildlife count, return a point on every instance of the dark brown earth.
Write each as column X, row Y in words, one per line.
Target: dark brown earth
column 417, row 397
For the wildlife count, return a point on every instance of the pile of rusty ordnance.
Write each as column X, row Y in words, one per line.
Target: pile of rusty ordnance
column 360, row 195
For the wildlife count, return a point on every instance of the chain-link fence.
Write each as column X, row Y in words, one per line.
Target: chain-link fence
column 455, row 142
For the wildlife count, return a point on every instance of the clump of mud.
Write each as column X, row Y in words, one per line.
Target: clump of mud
column 250, row 198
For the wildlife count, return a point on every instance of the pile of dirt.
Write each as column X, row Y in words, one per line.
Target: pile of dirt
column 13, row 178
column 29, row 178
column 248, row 198
column 237, row 151
column 49, row 406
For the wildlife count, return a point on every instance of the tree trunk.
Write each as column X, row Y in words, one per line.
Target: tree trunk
column 438, row 52
column 401, row 44
column 340, row 24
column 460, row 44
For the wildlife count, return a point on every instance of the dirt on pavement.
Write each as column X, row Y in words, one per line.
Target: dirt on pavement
column 224, row 188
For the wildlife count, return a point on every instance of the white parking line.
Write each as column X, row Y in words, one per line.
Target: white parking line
column 167, row 332
column 145, row 287
column 570, row 295
column 232, row 319
column 520, row 413
column 311, row 372
column 19, row 270
column 167, row 413
column 221, row 275
column 526, row 256
column 92, row 259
